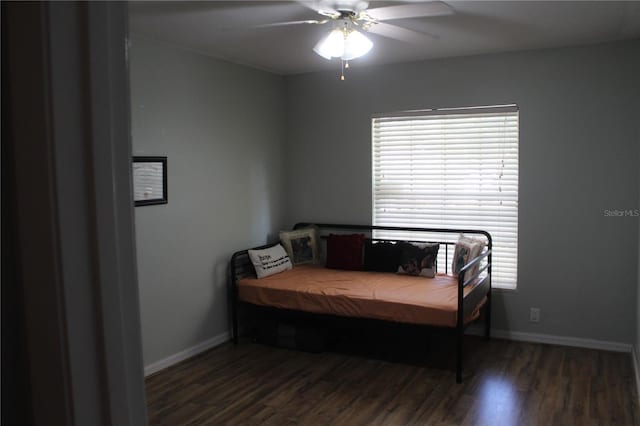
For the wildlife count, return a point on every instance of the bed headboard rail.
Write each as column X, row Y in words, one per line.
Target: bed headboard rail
column 414, row 234
column 336, row 226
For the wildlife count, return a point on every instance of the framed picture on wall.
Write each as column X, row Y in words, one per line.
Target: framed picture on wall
column 149, row 180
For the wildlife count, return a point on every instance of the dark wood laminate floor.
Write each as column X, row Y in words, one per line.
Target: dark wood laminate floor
column 505, row 383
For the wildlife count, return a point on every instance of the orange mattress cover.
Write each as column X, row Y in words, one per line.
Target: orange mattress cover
column 377, row 295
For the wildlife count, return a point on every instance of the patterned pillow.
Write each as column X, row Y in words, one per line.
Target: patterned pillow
column 301, row 245
column 270, row 261
column 466, row 250
column 418, row 259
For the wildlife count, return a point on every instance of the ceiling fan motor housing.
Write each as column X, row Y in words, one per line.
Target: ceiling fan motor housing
column 346, row 8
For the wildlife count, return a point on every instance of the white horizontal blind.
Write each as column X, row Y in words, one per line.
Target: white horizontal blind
column 453, row 169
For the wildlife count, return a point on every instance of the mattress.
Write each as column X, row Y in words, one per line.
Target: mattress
column 375, row 295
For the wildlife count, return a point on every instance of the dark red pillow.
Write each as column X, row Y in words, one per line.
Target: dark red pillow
column 345, row 251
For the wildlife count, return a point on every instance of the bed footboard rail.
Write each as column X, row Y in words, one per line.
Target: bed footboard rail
column 240, row 266
column 468, row 303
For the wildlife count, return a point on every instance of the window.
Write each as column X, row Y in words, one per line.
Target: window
column 454, row 168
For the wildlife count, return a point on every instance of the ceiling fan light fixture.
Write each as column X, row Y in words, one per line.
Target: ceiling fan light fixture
column 356, row 45
column 332, row 45
column 346, row 44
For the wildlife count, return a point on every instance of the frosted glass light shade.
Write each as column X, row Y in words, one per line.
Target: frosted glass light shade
column 337, row 45
column 331, row 46
column 356, row 44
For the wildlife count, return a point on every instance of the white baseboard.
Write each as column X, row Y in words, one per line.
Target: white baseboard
column 187, row 353
column 554, row 340
column 636, row 369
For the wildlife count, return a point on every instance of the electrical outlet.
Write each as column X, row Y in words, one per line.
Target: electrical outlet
column 534, row 315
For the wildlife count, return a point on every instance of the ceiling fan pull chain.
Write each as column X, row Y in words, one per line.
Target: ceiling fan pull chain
column 342, row 74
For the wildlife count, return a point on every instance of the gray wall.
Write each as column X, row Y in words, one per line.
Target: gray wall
column 578, row 157
column 222, row 128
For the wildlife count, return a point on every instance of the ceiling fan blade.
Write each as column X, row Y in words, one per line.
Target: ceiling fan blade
column 416, row 10
column 285, row 24
column 399, row 33
column 320, row 6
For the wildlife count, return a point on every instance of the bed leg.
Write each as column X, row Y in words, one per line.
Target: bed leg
column 459, row 336
column 460, row 328
column 234, row 320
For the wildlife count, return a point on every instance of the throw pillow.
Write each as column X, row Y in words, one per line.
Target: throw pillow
column 345, row 251
column 270, row 261
column 466, row 250
column 418, row 260
column 381, row 256
column 301, row 245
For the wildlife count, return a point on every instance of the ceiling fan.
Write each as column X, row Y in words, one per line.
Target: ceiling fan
column 350, row 18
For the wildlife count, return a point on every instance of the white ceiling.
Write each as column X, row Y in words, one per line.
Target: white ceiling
column 230, row 30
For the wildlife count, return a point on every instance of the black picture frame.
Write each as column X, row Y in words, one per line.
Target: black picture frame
column 149, row 180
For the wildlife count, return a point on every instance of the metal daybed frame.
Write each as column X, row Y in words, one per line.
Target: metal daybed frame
column 240, row 267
